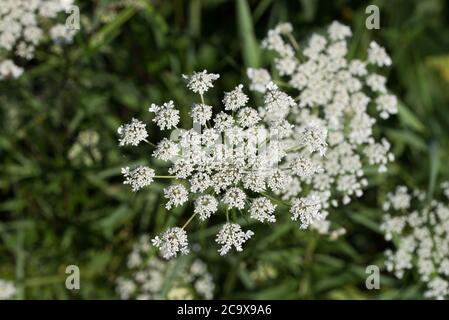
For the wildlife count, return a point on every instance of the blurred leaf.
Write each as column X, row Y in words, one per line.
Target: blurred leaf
column 251, row 54
column 440, row 63
column 409, row 119
column 434, row 166
column 105, row 34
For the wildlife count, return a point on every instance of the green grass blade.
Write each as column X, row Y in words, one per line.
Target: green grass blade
column 251, row 52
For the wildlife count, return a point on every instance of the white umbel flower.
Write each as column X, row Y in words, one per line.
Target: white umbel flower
column 232, row 235
column 201, row 113
column 171, row 242
column 438, row 288
column 282, row 144
column 317, row 44
column 25, row 50
column 235, row 99
column 445, row 186
column 338, row 31
column 377, row 83
column 61, row 34
column 166, row 116
column 200, row 181
column 286, row 65
column 248, row 117
column 259, row 79
column 282, row 129
column 262, row 209
column 304, row 167
column 398, row 200
column 277, row 102
column 176, row 194
column 379, row 154
column 358, row 68
column 377, row 55
column 223, row 121
column 166, row 150
column 7, row 289
column 182, row 168
column 284, row 28
column 387, row 104
column 307, row 210
column 200, row 82
column 205, row 206
column 209, row 137
column 9, row 70
column 138, row 178
column 235, row 198
column 132, row 133
column 277, row 181
column 146, row 275
column 125, row 288
column 26, row 23
column 254, row 181
column 313, row 138
column 420, row 230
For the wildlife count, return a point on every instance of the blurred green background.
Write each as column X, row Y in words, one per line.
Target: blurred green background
column 63, row 201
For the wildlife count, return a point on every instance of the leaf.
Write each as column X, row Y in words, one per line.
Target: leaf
column 261, row 8
column 408, row 138
column 106, row 33
column 360, row 216
column 251, row 52
column 283, row 290
column 440, row 63
column 246, row 278
column 114, row 220
column 174, row 273
column 409, row 119
column 434, row 166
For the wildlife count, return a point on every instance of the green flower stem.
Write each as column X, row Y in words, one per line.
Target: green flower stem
column 278, row 201
column 150, row 143
column 296, row 148
column 281, row 83
column 295, row 45
column 188, row 221
column 293, row 42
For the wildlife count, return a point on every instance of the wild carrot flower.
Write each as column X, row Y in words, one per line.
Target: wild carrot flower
column 337, row 102
column 147, row 275
column 139, row 177
column 232, row 235
column 24, row 25
column 200, row 82
column 309, row 150
column 171, row 242
column 420, row 232
column 7, row 289
column 132, row 133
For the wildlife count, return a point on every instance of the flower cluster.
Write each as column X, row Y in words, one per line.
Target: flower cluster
column 304, row 153
column 337, row 103
column 7, row 289
column 420, row 232
column 148, row 274
column 228, row 160
column 85, row 149
column 23, row 25
column 263, row 272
